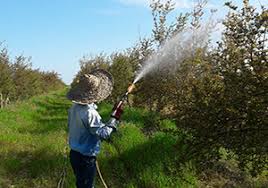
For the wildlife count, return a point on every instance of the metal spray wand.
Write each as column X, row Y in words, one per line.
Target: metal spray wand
column 117, row 110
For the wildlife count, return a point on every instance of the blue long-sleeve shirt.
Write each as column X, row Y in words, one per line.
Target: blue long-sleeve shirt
column 86, row 129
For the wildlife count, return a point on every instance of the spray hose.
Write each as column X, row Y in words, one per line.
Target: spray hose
column 117, row 110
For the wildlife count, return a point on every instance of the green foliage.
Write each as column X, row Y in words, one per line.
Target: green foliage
column 157, row 90
column 241, row 60
column 19, row 81
column 25, row 79
column 144, row 162
column 122, row 69
column 6, row 81
column 89, row 64
column 161, row 30
column 222, row 101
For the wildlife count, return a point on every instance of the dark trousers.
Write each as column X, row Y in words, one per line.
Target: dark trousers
column 84, row 168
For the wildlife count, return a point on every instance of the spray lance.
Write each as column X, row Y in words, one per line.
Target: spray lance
column 118, row 107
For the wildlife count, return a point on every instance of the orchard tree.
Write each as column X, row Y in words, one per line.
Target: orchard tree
column 157, row 89
column 122, row 69
column 242, row 62
column 6, row 81
column 89, row 64
column 19, row 80
column 226, row 105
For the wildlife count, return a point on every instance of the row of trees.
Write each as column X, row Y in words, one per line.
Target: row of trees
column 219, row 97
column 18, row 80
column 225, row 103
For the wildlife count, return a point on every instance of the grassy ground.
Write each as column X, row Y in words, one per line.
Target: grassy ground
column 33, row 148
column 34, row 153
column 32, row 137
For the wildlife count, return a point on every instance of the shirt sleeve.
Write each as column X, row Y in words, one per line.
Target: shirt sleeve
column 96, row 126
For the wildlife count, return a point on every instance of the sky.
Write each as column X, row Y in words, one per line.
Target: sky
column 56, row 34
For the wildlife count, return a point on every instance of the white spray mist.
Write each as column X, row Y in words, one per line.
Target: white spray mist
column 175, row 50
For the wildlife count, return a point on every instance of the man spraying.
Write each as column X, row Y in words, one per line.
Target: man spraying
column 86, row 129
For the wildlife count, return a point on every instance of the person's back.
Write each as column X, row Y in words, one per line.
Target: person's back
column 82, row 135
column 86, row 129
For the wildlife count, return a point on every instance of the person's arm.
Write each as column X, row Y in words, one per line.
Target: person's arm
column 97, row 127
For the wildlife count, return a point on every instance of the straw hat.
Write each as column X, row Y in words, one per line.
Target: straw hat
column 92, row 87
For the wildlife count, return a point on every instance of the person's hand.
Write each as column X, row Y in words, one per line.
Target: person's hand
column 113, row 123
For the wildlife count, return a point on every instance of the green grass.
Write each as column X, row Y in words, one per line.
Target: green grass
column 32, row 137
column 34, row 152
column 33, row 148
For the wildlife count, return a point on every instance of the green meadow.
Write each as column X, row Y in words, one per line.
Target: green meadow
column 34, row 150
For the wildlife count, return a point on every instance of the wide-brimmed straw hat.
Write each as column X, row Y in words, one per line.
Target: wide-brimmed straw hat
column 92, row 87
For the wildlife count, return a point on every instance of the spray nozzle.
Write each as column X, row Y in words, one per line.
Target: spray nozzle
column 130, row 88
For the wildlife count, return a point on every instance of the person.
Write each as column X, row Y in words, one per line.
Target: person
column 86, row 129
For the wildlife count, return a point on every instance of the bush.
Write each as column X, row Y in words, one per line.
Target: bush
column 19, row 81
column 225, row 105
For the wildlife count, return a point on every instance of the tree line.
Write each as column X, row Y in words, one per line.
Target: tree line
column 19, row 81
column 218, row 98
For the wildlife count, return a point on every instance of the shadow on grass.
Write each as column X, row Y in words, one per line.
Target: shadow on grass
column 150, row 164
column 51, row 114
column 40, row 168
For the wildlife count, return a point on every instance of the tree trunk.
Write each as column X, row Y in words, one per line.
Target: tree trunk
column 1, row 101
